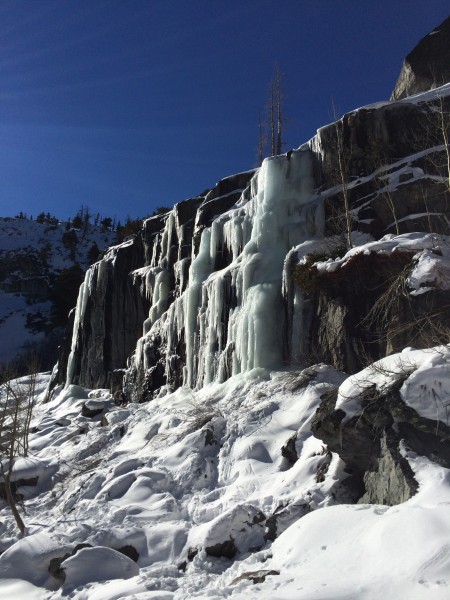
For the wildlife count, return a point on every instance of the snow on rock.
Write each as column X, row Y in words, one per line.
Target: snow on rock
column 431, row 270
column 96, row 564
column 409, row 242
column 29, row 560
column 237, row 530
column 431, row 264
column 25, row 468
column 426, row 382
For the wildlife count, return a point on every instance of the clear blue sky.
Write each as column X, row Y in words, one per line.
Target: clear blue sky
column 126, row 105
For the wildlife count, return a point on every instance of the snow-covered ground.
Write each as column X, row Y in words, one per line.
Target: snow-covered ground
column 194, row 486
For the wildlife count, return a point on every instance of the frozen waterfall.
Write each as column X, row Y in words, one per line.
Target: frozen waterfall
column 232, row 319
column 218, row 290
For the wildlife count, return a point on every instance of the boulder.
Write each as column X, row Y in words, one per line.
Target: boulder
column 370, row 443
column 96, row 565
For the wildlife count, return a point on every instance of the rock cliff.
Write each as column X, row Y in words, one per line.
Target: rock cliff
column 276, row 352
column 428, row 65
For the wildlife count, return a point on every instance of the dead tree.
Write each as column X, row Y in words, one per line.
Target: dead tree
column 275, row 119
column 342, row 175
column 17, row 398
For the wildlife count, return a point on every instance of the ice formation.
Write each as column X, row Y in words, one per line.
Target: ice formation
column 230, row 304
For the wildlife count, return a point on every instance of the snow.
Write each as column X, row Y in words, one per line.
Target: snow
column 29, row 559
column 18, row 589
column 96, row 564
column 365, row 552
column 159, row 487
column 425, row 388
column 430, row 271
column 156, row 480
column 428, row 96
column 30, row 240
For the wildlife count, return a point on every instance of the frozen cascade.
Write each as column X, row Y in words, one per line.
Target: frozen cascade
column 97, row 271
column 231, row 316
column 217, row 291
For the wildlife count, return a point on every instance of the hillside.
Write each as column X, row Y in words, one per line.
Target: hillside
column 253, row 398
column 34, row 257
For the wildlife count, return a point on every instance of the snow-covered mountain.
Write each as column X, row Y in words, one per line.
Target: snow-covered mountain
column 254, row 398
column 33, row 256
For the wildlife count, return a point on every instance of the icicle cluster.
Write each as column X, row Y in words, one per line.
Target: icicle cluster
column 221, row 301
column 230, row 314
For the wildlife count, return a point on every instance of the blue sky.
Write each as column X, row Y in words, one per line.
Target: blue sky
column 127, row 105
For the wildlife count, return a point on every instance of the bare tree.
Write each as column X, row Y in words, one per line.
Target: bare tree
column 275, row 118
column 436, row 134
column 261, row 142
column 432, row 139
column 17, row 398
column 381, row 181
column 272, row 117
column 343, row 159
column 279, row 115
column 443, row 117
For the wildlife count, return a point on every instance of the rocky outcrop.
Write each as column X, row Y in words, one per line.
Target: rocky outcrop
column 427, row 66
column 389, row 175
column 372, row 443
column 346, row 331
column 110, row 317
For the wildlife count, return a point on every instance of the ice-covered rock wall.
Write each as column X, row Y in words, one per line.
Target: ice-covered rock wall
column 230, row 316
column 210, row 280
column 206, row 291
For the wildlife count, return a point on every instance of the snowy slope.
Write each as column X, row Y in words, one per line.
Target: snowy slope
column 196, row 485
column 31, row 256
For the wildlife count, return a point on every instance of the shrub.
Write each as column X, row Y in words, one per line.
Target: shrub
column 378, row 267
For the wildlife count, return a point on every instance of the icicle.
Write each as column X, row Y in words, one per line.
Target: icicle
column 83, row 295
column 232, row 320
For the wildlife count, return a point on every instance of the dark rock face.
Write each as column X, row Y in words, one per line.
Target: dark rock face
column 369, row 443
column 288, row 450
column 364, row 311
column 112, row 319
column 225, row 549
column 427, row 66
column 15, row 485
column 56, row 570
column 389, row 479
column 370, row 136
column 255, row 576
